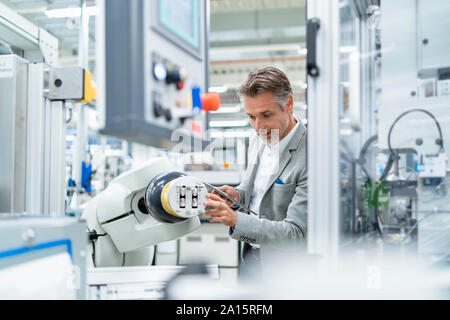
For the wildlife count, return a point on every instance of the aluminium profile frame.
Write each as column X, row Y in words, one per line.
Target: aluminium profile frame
column 323, row 137
column 37, row 44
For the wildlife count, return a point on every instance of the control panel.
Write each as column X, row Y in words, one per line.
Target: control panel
column 153, row 64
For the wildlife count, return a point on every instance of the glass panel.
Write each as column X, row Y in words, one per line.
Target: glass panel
column 394, row 94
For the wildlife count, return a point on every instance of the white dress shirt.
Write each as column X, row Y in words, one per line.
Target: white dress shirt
column 268, row 165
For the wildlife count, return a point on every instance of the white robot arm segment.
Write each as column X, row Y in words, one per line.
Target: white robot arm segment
column 144, row 207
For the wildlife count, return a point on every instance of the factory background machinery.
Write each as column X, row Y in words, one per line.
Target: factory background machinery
column 377, row 113
column 130, row 168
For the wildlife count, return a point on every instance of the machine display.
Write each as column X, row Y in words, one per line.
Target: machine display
column 141, row 208
column 179, row 21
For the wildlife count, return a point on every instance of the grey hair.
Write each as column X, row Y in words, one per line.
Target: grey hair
column 268, row 79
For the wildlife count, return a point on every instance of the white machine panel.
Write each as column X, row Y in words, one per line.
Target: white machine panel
column 414, row 75
column 135, row 283
column 433, row 26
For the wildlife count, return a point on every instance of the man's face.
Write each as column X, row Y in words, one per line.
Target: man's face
column 268, row 119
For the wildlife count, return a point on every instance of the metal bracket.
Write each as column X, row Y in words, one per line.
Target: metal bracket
column 312, row 28
column 64, row 83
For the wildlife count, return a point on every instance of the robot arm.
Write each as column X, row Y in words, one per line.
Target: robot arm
column 141, row 208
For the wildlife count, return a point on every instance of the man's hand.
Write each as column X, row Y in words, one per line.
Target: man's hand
column 220, row 211
column 232, row 192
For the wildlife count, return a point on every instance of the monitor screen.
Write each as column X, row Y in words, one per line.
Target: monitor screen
column 179, row 20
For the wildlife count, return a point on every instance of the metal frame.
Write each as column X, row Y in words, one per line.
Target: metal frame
column 36, row 123
column 325, row 235
column 81, row 141
column 33, row 133
column 323, row 137
column 45, row 147
column 207, row 62
column 37, row 44
column 368, row 92
column 13, row 132
column 43, row 189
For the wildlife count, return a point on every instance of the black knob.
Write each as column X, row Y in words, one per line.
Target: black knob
column 157, row 110
column 419, row 141
column 177, row 77
column 58, row 83
column 172, row 77
column 168, row 114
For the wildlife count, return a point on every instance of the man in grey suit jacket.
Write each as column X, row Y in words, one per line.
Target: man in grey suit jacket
column 275, row 183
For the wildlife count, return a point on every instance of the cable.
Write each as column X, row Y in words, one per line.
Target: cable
column 70, row 116
column 387, row 167
column 439, row 142
column 360, row 161
column 154, row 255
column 348, row 158
column 377, row 223
column 93, row 254
column 392, row 155
column 365, row 147
column 93, row 235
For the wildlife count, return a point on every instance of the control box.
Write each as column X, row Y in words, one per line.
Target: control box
column 432, row 165
column 152, row 69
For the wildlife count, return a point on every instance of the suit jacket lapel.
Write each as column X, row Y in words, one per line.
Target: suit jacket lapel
column 285, row 155
column 284, row 160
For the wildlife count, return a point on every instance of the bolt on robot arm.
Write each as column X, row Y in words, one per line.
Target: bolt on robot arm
column 141, row 208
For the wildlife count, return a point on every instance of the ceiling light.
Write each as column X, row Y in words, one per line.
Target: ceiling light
column 218, row 89
column 257, row 48
column 228, row 110
column 231, row 134
column 302, row 51
column 231, row 123
column 347, row 49
column 71, row 12
column 31, row 10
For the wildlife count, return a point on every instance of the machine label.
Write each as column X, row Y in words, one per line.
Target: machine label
column 433, row 166
column 6, row 68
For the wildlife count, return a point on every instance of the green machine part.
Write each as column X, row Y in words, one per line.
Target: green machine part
column 376, row 195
